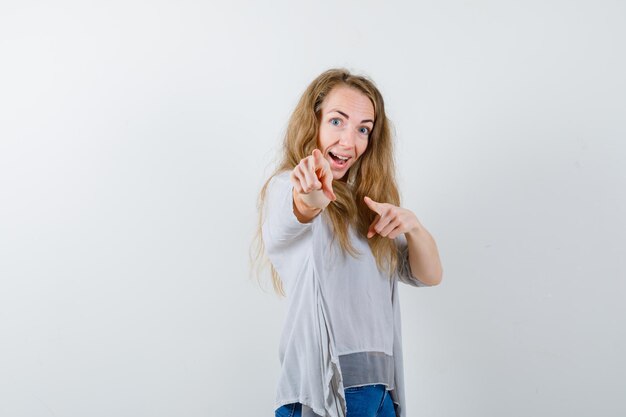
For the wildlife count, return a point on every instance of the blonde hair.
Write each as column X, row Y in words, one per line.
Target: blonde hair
column 372, row 175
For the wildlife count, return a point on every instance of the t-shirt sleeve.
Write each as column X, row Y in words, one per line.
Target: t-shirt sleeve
column 281, row 228
column 404, row 268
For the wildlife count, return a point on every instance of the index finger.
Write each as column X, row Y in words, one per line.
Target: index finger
column 327, row 175
column 319, row 158
column 373, row 205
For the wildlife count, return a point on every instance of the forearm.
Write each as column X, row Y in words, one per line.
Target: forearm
column 424, row 256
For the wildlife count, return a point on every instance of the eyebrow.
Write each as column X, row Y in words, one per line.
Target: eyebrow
column 348, row 117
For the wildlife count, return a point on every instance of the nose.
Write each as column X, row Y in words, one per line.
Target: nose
column 347, row 138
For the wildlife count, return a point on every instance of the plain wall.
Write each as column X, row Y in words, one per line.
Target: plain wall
column 135, row 136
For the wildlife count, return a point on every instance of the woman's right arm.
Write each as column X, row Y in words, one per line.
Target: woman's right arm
column 293, row 200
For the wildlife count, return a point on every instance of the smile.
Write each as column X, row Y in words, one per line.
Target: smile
column 339, row 160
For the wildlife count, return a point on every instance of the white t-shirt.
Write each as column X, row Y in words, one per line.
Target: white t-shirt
column 338, row 305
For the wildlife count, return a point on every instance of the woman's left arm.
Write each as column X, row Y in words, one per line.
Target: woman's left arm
column 424, row 256
column 391, row 221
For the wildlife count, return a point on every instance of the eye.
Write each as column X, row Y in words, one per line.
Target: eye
column 335, row 121
column 364, row 130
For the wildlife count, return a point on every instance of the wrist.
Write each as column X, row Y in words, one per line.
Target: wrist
column 314, row 201
column 415, row 232
column 304, row 210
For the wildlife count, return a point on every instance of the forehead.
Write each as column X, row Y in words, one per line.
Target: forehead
column 349, row 100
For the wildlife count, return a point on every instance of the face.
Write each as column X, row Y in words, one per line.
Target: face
column 347, row 119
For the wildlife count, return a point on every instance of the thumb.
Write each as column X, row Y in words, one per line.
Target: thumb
column 373, row 205
column 370, row 230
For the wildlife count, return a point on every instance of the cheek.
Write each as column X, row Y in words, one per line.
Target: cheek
column 322, row 141
column 361, row 147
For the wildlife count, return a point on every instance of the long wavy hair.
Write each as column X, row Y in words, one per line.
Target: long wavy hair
column 372, row 175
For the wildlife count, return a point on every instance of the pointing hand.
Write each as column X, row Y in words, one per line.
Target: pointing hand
column 390, row 220
column 313, row 180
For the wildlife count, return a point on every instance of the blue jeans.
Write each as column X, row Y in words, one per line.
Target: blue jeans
column 364, row 401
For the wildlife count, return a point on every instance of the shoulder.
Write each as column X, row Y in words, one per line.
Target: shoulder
column 283, row 175
column 280, row 179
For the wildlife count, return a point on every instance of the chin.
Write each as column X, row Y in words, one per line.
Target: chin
column 341, row 175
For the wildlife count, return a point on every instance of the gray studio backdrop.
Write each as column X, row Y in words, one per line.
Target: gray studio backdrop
column 135, row 135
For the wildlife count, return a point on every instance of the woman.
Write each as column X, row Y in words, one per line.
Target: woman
column 338, row 242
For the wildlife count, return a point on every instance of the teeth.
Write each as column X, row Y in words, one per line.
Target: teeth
column 344, row 158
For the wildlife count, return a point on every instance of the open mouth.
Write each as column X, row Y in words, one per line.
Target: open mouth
column 339, row 160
